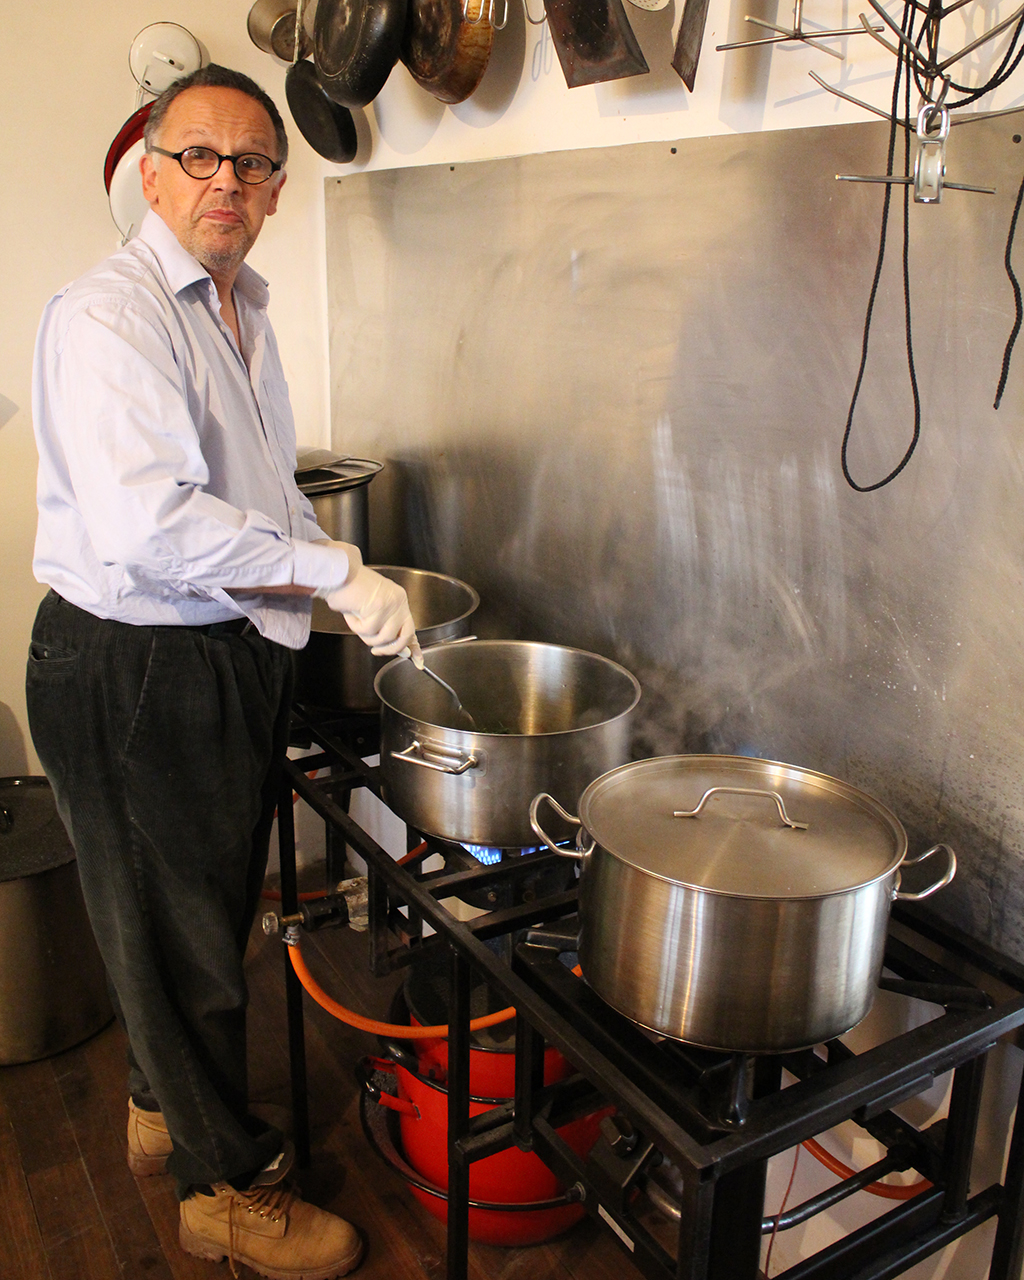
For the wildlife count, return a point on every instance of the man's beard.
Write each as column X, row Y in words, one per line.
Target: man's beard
column 219, row 260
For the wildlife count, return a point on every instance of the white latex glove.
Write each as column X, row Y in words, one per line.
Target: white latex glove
column 377, row 610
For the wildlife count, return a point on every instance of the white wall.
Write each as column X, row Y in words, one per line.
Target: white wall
column 65, row 90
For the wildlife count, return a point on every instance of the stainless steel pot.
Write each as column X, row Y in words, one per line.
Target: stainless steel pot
column 272, row 27
column 736, row 903
column 337, row 489
column 53, row 988
column 547, row 718
column 337, row 670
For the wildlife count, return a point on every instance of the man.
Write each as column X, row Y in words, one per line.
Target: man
column 181, row 558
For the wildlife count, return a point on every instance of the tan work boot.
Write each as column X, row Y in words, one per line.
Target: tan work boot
column 149, row 1143
column 269, row 1228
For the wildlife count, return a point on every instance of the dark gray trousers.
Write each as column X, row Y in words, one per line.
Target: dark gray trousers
column 163, row 746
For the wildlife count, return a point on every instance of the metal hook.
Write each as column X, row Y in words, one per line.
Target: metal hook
column 500, row 26
column 857, row 102
column 481, row 16
column 536, row 22
column 796, row 32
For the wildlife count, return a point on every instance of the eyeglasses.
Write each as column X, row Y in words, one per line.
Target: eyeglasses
column 201, row 162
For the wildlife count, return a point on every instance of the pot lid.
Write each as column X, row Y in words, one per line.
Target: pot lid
column 32, row 836
column 739, row 840
column 321, row 471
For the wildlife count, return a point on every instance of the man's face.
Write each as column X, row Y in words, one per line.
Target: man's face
column 216, row 219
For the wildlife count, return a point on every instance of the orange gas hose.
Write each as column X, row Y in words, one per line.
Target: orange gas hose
column 876, row 1188
column 394, row 1031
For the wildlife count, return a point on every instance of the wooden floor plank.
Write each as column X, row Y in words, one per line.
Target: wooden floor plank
column 40, row 1124
column 132, row 1236
column 87, row 1256
column 64, row 1202
column 21, row 1246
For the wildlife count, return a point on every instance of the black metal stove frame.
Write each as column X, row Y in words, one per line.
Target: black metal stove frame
column 717, row 1118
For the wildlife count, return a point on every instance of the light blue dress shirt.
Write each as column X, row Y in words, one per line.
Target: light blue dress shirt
column 166, row 454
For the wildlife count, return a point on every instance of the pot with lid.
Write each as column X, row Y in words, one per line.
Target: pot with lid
column 53, row 987
column 336, row 486
column 736, row 903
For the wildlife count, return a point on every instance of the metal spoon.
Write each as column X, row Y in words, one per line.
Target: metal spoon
column 460, row 709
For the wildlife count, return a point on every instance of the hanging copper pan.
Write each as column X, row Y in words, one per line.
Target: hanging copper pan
column 447, row 45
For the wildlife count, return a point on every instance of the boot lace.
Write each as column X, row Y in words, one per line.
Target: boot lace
column 270, row 1203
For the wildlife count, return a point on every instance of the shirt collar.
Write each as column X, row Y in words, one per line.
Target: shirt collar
column 181, row 269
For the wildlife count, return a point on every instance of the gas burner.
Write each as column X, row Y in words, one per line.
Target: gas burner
column 715, row 1118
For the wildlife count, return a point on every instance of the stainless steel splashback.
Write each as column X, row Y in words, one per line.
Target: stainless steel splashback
column 610, row 387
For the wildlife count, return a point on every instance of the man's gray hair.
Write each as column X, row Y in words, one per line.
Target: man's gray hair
column 216, row 77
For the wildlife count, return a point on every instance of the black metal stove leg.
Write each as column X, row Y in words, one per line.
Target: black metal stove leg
column 961, row 1131
column 1008, row 1249
column 292, row 986
column 458, row 1120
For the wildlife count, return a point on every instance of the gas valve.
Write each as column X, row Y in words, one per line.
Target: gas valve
column 348, row 905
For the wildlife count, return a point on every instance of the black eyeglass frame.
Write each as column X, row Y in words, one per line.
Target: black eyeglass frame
column 275, row 165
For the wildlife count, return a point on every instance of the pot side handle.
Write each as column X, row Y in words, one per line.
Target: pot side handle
column 413, row 754
column 903, row 896
column 541, row 834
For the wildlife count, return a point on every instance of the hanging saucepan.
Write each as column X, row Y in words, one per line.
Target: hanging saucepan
column 594, row 41
column 327, row 126
column 355, row 46
column 272, row 27
column 447, row 45
column 736, row 903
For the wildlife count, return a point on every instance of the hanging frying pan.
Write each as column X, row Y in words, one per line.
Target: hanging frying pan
column 128, row 206
column 121, row 177
column 327, row 126
column 447, row 45
column 594, row 41
column 127, row 136
column 355, row 46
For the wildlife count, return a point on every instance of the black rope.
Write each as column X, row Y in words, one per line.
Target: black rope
column 1007, row 354
column 907, row 21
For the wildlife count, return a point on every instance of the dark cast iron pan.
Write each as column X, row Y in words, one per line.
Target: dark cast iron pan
column 447, row 50
column 327, row 126
column 594, row 41
column 355, row 46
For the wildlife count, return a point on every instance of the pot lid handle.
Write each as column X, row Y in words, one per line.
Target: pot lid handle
column 741, row 791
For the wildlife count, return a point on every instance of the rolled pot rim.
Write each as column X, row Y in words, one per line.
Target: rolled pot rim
column 438, row 1087
column 478, row 735
column 474, row 604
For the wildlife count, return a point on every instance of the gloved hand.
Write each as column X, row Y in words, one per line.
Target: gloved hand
column 377, row 610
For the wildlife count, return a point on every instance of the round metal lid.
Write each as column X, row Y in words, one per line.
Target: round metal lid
column 739, row 842
column 330, row 474
column 32, row 836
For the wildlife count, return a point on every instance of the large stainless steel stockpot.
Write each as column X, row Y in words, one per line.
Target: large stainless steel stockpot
column 548, row 718
column 337, row 670
column 337, row 488
column 736, row 903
